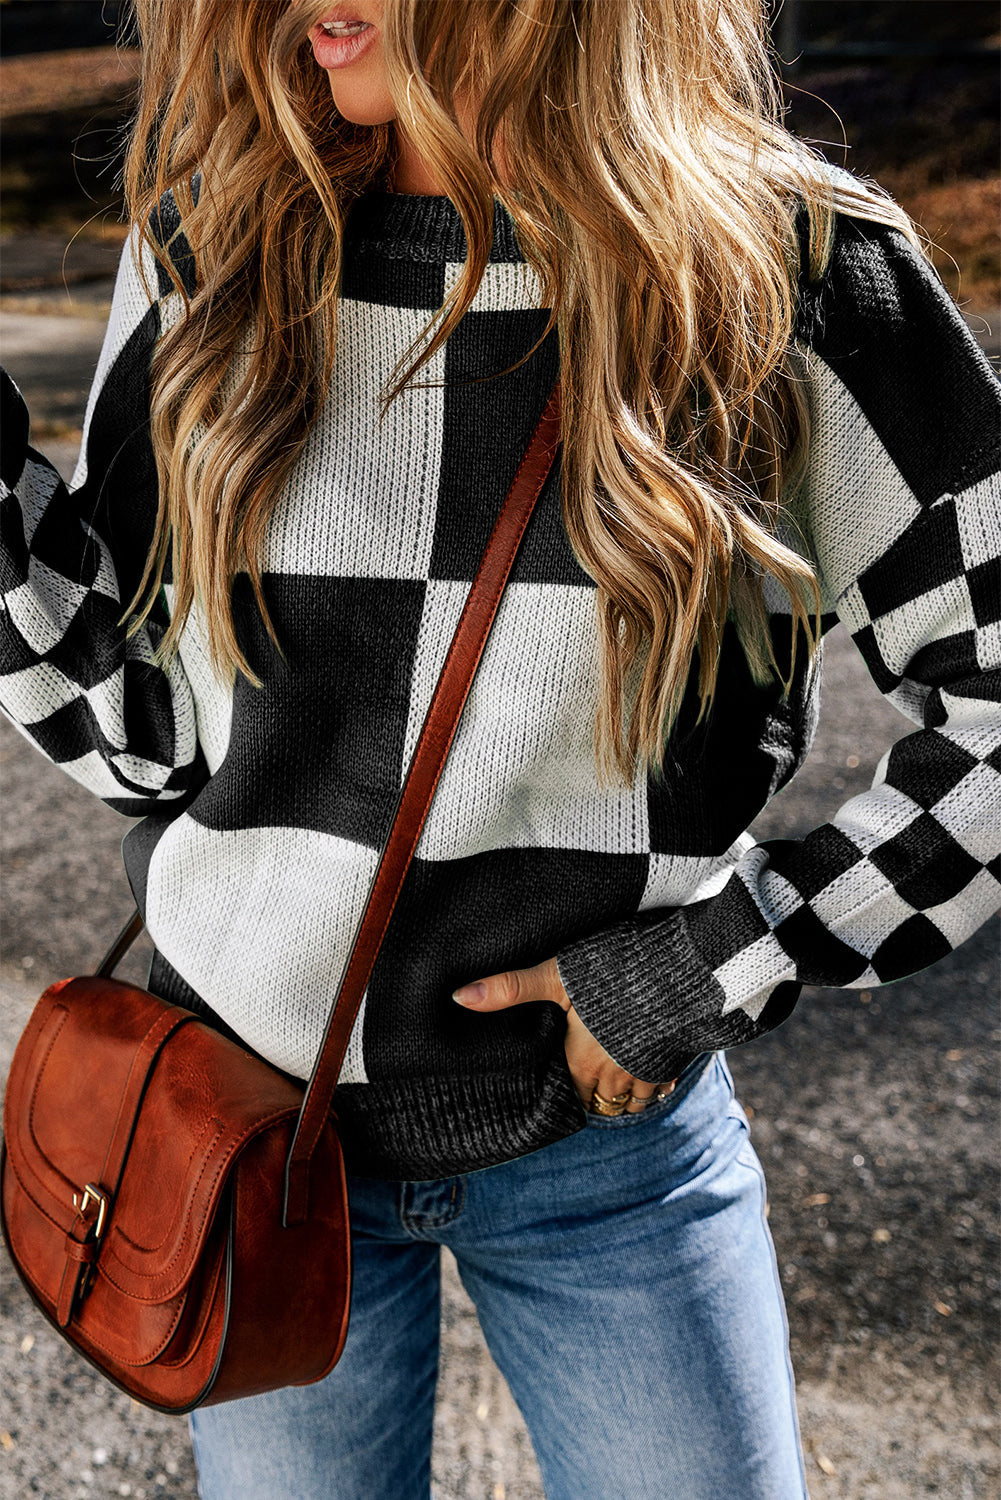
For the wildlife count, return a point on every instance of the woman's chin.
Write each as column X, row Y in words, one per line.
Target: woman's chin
column 358, row 105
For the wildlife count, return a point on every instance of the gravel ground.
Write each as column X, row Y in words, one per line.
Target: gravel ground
column 875, row 1116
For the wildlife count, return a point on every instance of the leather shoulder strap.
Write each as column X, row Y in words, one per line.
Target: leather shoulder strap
column 419, row 785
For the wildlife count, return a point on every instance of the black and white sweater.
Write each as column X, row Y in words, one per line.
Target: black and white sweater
column 264, row 810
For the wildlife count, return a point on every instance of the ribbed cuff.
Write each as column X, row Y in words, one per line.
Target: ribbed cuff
column 643, row 992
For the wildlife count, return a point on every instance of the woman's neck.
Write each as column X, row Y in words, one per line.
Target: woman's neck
column 411, row 173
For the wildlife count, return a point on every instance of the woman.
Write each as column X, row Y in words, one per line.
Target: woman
column 232, row 620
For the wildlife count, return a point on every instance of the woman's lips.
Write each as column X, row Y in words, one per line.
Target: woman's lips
column 340, row 51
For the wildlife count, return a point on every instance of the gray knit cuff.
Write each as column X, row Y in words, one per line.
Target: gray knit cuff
column 644, row 994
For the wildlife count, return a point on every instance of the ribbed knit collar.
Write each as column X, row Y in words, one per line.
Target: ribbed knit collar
column 419, row 226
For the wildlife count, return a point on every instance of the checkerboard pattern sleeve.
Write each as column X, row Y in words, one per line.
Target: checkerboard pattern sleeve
column 73, row 680
column 903, row 505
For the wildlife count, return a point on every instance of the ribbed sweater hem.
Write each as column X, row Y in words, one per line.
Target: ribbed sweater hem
column 421, row 1129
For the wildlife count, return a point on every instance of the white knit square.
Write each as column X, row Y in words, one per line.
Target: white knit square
column 42, row 628
column 874, row 817
column 963, row 913
column 856, row 499
column 32, row 694
column 751, row 976
column 972, row 723
column 520, row 772
column 971, row 813
column 35, row 488
column 978, row 516
column 910, row 699
column 360, row 501
column 862, row 907
column 507, row 286
column 215, row 901
column 776, row 897
column 853, row 609
column 943, row 611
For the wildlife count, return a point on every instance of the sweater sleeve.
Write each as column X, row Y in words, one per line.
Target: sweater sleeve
column 90, row 698
column 902, row 505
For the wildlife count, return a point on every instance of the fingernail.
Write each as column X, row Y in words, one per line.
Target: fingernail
column 470, row 993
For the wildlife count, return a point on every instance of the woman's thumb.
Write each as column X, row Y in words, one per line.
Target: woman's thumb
column 516, row 987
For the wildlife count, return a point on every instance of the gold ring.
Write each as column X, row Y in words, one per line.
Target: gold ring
column 600, row 1106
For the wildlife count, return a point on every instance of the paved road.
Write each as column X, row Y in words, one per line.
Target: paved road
column 874, row 1114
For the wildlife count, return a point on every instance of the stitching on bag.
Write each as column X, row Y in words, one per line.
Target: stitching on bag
column 180, row 1299
column 32, row 1199
column 257, row 1128
column 106, row 1348
column 201, row 1147
column 164, row 1271
column 38, row 1084
column 198, row 1333
column 84, row 1334
column 38, row 1181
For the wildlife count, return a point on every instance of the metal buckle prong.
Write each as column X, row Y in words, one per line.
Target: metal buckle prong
column 92, row 1194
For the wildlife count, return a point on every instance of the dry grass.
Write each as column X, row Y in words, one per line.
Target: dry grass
column 963, row 220
column 930, row 136
column 48, row 81
column 62, row 116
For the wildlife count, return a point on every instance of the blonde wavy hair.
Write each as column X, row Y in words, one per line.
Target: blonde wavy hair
column 654, row 190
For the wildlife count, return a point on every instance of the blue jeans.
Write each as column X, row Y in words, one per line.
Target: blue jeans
column 626, row 1283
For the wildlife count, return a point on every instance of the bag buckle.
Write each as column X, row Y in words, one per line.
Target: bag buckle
column 81, row 1253
column 92, row 1194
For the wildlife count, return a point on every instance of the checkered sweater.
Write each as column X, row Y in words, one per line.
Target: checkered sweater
column 263, row 810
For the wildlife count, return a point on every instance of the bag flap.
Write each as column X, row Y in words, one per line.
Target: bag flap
column 205, row 1097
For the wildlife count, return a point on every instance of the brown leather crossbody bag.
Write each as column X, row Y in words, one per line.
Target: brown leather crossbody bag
column 175, row 1206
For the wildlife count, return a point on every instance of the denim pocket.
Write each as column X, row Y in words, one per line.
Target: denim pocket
column 687, row 1078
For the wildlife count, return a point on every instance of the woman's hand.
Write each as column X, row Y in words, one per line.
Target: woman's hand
column 592, row 1069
